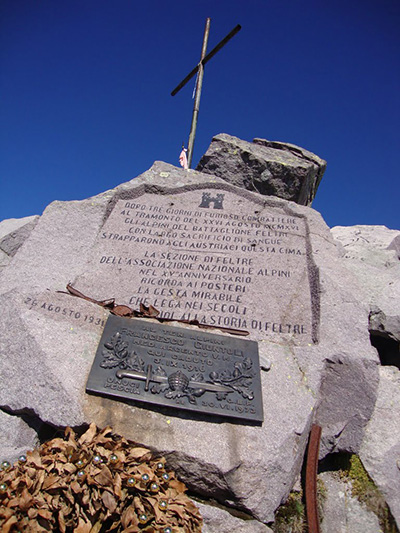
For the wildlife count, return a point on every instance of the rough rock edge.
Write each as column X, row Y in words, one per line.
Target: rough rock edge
column 305, row 187
column 163, row 168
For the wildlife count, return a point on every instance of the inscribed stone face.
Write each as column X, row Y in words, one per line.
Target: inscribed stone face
column 211, row 255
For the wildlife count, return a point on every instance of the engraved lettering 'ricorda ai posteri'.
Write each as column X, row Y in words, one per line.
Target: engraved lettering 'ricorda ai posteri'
column 179, row 368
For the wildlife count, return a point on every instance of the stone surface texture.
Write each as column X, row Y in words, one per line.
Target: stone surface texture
column 217, row 520
column 353, row 384
column 268, row 167
column 342, row 513
column 46, row 354
column 380, row 450
column 372, row 254
column 16, row 437
column 13, row 233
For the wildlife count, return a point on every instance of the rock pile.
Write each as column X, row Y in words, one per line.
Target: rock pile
column 324, row 370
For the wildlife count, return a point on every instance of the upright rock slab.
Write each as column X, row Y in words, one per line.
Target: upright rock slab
column 372, row 254
column 197, row 248
column 380, row 450
column 268, row 167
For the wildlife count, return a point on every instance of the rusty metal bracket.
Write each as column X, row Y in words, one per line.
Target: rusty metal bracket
column 311, row 479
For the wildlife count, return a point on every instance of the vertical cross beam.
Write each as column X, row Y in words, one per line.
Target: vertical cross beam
column 199, row 68
column 199, row 85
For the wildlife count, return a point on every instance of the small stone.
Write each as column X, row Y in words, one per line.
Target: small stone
column 22, row 459
column 114, row 459
column 165, row 476
column 160, row 466
column 81, row 475
column 168, row 530
column 145, row 477
column 79, row 463
column 154, row 487
column 131, row 482
column 97, row 460
column 3, row 488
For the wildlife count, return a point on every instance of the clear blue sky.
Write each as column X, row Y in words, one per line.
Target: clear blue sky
column 85, row 94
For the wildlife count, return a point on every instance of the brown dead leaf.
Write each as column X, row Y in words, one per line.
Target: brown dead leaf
column 76, row 487
column 44, row 513
column 88, row 435
column 97, row 527
column 50, row 480
column 177, row 485
column 178, row 509
column 25, row 500
column 32, row 513
column 137, row 502
column 6, row 527
column 145, row 469
column 129, row 518
column 109, row 501
column 6, row 513
column 70, row 468
column 131, row 529
column 137, row 453
column 61, row 521
column 104, row 477
column 117, row 485
column 34, row 457
column 83, row 526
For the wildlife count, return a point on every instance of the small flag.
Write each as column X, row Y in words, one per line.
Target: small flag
column 183, row 159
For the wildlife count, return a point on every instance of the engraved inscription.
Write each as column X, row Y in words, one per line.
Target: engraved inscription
column 63, row 308
column 218, row 258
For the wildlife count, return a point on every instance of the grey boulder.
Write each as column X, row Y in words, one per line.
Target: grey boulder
column 380, row 450
column 372, row 254
column 16, row 437
column 218, row 520
column 342, row 512
column 268, row 167
column 49, row 339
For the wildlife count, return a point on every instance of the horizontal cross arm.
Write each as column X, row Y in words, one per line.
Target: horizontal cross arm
column 210, row 55
column 184, row 82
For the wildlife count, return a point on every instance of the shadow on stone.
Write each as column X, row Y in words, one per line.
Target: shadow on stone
column 388, row 349
column 182, row 414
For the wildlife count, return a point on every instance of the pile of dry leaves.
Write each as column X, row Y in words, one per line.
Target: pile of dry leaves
column 97, row 482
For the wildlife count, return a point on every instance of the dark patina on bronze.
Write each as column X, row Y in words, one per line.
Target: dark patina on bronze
column 179, row 368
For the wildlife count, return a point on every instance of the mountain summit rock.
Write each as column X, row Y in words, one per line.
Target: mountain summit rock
column 270, row 168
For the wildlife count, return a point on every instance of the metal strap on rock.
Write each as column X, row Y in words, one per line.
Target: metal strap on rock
column 311, row 479
column 146, row 312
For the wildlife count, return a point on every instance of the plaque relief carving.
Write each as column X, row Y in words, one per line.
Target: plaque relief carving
column 179, row 368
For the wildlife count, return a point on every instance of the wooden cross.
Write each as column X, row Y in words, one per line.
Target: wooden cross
column 200, row 69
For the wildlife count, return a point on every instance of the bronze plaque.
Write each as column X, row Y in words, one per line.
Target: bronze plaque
column 179, row 368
